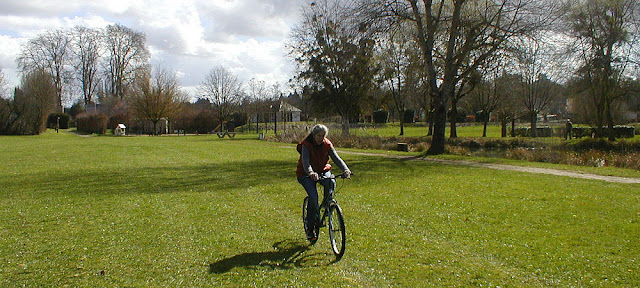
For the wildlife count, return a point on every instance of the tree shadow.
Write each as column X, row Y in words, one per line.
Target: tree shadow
column 287, row 254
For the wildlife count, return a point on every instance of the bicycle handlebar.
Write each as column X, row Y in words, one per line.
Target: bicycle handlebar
column 341, row 175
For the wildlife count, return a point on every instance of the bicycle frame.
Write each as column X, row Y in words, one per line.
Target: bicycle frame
column 329, row 209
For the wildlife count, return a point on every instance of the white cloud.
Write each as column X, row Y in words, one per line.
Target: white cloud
column 189, row 36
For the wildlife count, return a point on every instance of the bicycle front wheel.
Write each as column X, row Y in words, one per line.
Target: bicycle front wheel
column 337, row 233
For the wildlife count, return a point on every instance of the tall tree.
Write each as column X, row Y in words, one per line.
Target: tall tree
column 127, row 52
column 485, row 99
column 456, row 37
column 396, row 73
column 48, row 51
column 87, row 49
column 607, row 34
column 335, row 57
column 223, row 89
column 156, row 96
column 536, row 91
column 3, row 84
column 33, row 101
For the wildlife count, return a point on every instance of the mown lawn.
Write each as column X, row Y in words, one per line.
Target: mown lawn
column 199, row 211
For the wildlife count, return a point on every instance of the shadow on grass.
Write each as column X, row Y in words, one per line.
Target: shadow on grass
column 287, row 254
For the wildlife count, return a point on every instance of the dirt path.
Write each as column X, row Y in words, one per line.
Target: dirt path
column 558, row 172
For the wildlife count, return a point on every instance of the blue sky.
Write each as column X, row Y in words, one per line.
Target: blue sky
column 188, row 36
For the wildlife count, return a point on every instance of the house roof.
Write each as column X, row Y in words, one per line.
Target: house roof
column 286, row 107
column 122, row 126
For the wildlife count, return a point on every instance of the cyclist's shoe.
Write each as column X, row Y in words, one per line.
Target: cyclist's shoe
column 311, row 235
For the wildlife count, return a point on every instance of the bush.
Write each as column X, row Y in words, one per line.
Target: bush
column 204, row 122
column 92, row 122
column 409, row 116
column 380, row 116
column 543, row 131
column 579, row 132
column 618, row 132
column 624, row 131
column 52, row 120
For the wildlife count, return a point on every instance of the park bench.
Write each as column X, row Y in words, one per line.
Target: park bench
column 226, row 133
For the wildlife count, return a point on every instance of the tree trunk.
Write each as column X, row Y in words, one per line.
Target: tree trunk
column 439, row 129
column 430, row 121
column 155, row 128
column 503, row 127
column 453, row 133
column 345, row 125
column 484, row 129
column 534, row 125
column 611, row 134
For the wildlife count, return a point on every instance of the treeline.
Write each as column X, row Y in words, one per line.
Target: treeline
column 504, row 60
column 110, row 68
column 447, row 61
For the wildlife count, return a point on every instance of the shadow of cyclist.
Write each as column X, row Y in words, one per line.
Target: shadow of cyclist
column 288, row 254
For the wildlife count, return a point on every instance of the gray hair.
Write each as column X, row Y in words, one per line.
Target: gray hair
column 319, row 127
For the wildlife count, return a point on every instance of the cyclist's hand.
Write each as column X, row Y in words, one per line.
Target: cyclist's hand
column 314, row 176
column 347, row 174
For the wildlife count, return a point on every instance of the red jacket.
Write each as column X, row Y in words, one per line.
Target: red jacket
column 318, row 156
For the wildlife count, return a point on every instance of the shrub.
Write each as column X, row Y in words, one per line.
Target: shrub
column 624, row 131
column 543, row 131
column 92, row 122
column 409, row 116
column 579, row 132
column 64, row 120
column 380, row 116
column 204, row 122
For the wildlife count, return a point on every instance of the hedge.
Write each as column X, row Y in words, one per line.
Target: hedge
column 618, row 130
column 92, row 122
column 53, row 119
column 542, row 131
column 380, row 116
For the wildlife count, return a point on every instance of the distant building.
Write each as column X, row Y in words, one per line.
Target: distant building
column 288, row 113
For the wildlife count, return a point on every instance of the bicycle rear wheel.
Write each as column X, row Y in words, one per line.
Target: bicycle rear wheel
column 305, row 204
column 337, row 232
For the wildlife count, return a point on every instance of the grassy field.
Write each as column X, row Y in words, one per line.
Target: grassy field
column 463, row 130
column 199, row 211
column 419, row 130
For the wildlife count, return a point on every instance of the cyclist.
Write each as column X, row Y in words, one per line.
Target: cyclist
column 315, row 151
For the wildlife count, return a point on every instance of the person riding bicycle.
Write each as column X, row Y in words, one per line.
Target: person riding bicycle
column 313, row 164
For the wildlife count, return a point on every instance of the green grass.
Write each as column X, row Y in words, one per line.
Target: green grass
column 419, row 130
column 199, row 211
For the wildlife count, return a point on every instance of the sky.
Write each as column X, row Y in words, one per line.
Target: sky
column 189, row 37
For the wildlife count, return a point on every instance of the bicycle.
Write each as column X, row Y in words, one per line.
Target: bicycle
column 331, row 216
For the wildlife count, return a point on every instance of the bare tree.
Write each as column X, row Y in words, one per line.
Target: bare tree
column 256, row 89
column 3, row 84
column 156, row 96
column 485, row 98
column 87, row 49
column 127, row 52
column 607, row 35
column 396, row 73
column 456, row 37
column 536, row 91
column 49, row 51
column 222, row 88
